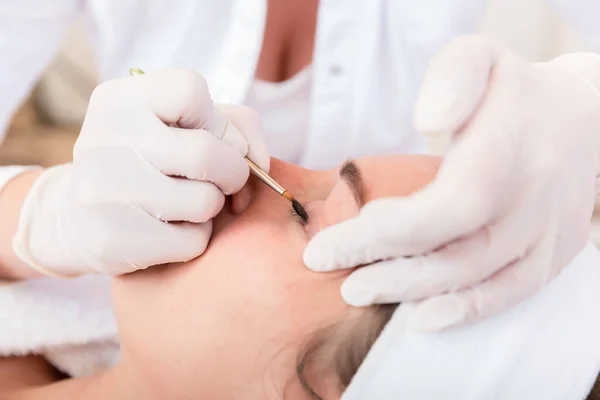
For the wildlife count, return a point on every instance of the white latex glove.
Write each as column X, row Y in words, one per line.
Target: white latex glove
column 140, row 192
column 511, row 204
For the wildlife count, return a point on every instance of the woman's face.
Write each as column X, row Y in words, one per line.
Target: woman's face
column 230, row 323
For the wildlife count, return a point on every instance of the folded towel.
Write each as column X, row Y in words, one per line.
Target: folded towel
column 71, row 322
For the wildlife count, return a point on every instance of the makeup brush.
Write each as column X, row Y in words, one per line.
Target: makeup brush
column 272, row 183
column 259, row 173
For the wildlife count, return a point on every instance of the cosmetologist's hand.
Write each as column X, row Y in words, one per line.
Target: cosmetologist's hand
column 511, row 204
column 151, row 168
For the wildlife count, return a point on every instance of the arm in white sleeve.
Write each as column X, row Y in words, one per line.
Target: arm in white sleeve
column 30, row 34
column 582, row 15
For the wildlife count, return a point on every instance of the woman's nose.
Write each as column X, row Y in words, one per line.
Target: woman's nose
column 283, row 173
column 303, row 184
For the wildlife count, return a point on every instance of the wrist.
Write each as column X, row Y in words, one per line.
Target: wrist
column 12, row 197
column 38, row 239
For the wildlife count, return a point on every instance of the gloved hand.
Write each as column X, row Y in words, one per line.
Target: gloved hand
column 511, row 204
column 140, row 191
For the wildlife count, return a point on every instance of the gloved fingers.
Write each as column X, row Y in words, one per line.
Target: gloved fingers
column 456, row 204
column 453, row 267
column 176, row 199
column 503, row 290
column 180, row 97
column 454, row 85
column 178, row 242
column 248, row 123
column 351, row 243
column 416, row 278
column 155, row 245
column 385, row 228
column 192, row 241
column 187, row 240
column 457, row 265
column 195, row 154
column 477, row 180
column 481, row 172
column 382, row 282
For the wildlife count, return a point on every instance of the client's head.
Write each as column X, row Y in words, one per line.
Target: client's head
column 247, row 320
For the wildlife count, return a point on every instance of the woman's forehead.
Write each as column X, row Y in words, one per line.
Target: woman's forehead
column 395, row 175
column 396, row 161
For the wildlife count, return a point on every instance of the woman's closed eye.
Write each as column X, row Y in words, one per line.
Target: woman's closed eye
column 298, row 218
column 343, row 202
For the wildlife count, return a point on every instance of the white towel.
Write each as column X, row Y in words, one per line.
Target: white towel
column 71, row 322
column 547, row 348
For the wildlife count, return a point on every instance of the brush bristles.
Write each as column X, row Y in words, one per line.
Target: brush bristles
column 300, row 210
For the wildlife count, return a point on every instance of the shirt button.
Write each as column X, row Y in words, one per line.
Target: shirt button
column 335, row 70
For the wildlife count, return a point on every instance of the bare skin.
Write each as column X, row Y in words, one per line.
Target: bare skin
column 11, row 200
column 18, row 373
column 288, row 41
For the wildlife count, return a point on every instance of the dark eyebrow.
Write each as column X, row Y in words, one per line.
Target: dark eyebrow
column 350, row 174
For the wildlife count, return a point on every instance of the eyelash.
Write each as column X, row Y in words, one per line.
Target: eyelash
column 297, row 217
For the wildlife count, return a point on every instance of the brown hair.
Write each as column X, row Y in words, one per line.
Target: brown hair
column 595, row 393
column 337, row 351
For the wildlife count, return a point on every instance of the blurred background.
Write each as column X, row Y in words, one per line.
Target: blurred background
column 45, row 128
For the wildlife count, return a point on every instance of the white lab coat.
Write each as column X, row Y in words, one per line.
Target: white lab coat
column 369, row 56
